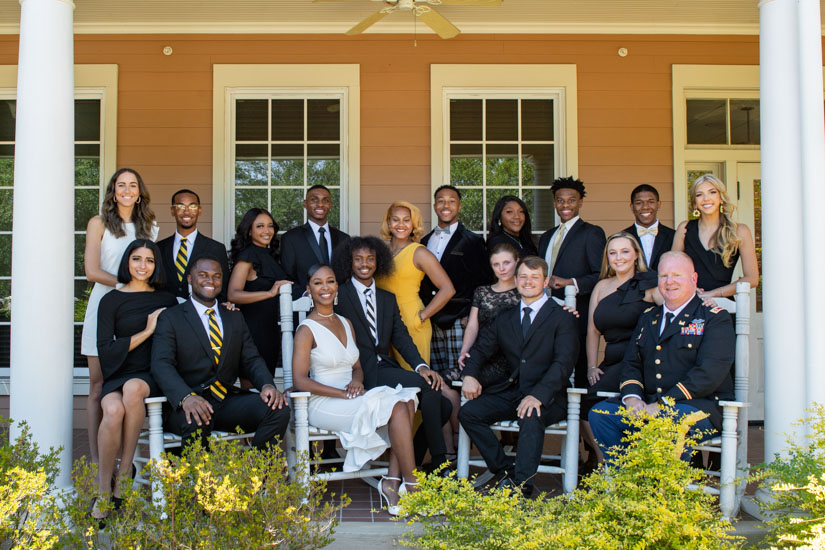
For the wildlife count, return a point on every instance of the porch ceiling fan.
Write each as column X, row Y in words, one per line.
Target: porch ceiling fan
column 422, row 9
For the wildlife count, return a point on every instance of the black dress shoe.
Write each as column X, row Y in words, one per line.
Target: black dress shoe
column 507, row 482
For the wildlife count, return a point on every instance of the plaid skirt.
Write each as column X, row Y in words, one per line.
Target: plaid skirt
column 444, row 350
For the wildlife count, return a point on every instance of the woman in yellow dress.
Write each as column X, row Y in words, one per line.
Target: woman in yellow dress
column 403, row 226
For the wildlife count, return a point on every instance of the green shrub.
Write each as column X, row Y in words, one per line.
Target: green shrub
column 641, row 502
column 796, row 479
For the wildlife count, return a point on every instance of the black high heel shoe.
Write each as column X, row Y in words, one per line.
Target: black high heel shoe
column 101, row 522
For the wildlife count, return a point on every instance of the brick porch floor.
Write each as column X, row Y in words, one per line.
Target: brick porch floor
column 365, row 503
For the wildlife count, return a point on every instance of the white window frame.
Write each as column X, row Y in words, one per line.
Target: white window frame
column 484, row 81
column 231, row 82
column 91, row 82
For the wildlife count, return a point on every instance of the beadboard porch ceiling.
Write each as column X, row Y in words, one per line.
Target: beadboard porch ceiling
column 306, row 16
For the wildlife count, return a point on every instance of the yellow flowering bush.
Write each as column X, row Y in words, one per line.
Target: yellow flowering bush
column 796, row 479
column 640, row 502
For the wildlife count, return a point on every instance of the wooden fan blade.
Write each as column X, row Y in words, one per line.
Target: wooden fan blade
column 492, row 3
column 366, row 23
column 439, row 24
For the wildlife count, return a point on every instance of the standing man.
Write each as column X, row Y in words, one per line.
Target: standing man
column 463, row 256
column 377, row 322
column 682, row 350
column 199, row 350
column 540, row 342
column 311, row 243
column 187, row 245
column 573, row 251
column 655, row 238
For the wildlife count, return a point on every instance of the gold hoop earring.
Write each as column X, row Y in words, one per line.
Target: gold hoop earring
column 721, row 208
column 138, row 201
column 696, row 213
column 335, row 301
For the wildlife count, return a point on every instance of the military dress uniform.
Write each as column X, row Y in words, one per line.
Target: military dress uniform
column 689, row 362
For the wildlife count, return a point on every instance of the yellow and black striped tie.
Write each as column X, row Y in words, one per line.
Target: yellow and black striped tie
column 215, row 341
column 181, row 259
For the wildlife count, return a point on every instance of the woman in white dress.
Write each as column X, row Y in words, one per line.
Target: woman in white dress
column 325, row 363
column 124, row 216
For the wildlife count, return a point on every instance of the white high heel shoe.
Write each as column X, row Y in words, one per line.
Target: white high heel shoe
column 394, row 509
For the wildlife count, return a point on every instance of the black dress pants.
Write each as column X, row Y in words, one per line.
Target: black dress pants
column 435, row 409
column 245, row 410
column 477, row 415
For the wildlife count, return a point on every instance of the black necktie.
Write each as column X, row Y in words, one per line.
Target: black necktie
column 525, row 321
column 668, row 318
column 322, row 242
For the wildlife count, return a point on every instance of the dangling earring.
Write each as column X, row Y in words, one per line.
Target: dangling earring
column 721, row 208
column 114, row 199
column 311, row 303
column 696, row 213
column 138, row 201
column 335, row 301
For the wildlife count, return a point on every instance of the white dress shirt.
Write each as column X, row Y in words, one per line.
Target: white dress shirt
column 315, row 227
column 535, row 307
column 647, row 240
column 201, row 309
column 190, row 243
column 439, row 239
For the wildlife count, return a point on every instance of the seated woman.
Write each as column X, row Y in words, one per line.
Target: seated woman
column 714, row 241
column 125, row 324
column 325, row 363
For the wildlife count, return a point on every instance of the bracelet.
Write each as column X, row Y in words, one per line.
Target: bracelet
column 185, row 397
column 592, row 367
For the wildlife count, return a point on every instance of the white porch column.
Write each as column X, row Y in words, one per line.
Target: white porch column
column 782, row 234
column 812, row 149
column 43, row 240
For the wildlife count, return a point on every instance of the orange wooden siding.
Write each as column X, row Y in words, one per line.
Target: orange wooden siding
column 624, row 118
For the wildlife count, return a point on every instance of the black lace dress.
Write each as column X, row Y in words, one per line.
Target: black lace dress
column 262, row 317
column 616, row 317
column 490, row 305
column 708, row 264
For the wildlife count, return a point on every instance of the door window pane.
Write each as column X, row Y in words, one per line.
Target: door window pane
column 250, row 165
column 707, row 121
column 466, row 166
column 744, row 121
column 502, row 120
column 8, row 116
column 250, row 119
column 249, row 198
column 287, row 120
column 323, row 119
column 287, row 165
column 537, row 120
column 87, row 120
column 465, row 119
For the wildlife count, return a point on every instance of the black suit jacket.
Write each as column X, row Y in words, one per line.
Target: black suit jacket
column 694, row 353
column 541, row 363
column 204, row 246
column 391, row 332
column 466, row 263
column 580, row 256
column 182, row 359
column 300, row 251
column 661, row 244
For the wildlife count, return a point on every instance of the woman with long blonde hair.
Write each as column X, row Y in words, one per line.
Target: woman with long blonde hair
column 714, row 241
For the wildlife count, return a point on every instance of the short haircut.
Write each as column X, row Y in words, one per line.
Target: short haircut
column 568, row 183
column 676, row 255
column 204, row 258
column 641, row 189
column 158, row 277
column 533, row 262
column 182, row 191
column 450, row 187
column 318, row 186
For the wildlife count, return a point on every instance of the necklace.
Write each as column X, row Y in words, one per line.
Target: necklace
column 515, row 240
column 325, row 316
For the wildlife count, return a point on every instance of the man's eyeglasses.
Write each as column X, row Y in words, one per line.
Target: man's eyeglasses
column 190, row 207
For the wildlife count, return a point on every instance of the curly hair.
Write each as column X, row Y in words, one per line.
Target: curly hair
column 641, row 265
column 568, row 183
column 495, row 228
column 142, row 215
column 243, row 238
column 725, row 241
column 415, row 217
column 384, row 265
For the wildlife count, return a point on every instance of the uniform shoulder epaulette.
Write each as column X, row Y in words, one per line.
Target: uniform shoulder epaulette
column 649, row 309
column 717, row 309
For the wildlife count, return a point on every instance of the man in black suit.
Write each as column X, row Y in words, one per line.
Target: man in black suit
column 377, row 322
column 312, row 243
column 188, row 244
column 655, row 238
column 463, row 256
column 682, row 350
column 199, row 350
column 573, row 251
column 540, row 342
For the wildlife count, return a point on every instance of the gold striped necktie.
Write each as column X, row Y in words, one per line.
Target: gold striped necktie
column 215, row 341
column 181, row 259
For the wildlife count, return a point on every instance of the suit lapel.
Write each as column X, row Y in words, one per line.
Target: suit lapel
column 658, row 243
column 577, row 227
column 455, row 238
column 313, row 244
column 541, row 316
column 355, row 304
column 196, row 325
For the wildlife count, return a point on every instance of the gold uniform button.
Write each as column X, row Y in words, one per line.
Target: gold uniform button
column 659, row 375
column 659, row 390
column 658, row 348
column 690, row 345
column 657, row 361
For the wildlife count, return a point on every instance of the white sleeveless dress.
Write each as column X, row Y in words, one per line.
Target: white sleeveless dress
column 360, row 423
column 111, row 251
